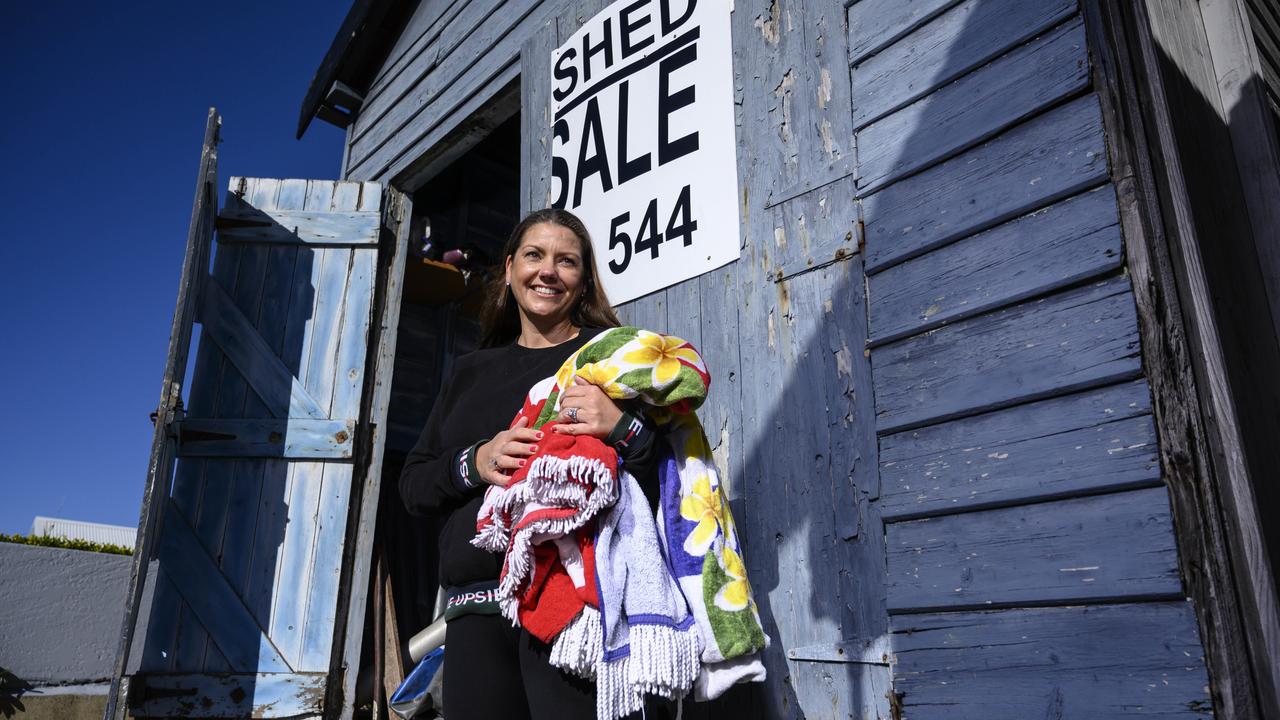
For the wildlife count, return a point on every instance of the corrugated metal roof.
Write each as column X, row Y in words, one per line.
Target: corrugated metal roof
column 81, row 530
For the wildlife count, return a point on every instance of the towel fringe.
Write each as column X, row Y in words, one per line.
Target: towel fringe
column 579, row 647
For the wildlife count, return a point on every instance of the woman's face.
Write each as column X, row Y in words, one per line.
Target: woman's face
column 546, row 272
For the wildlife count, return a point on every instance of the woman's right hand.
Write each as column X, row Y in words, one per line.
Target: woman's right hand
column 506, row 453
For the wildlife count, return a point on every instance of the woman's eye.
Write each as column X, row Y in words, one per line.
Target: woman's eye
column 570, row 262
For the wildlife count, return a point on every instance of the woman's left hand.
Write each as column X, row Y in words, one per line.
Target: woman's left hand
column 595, row 413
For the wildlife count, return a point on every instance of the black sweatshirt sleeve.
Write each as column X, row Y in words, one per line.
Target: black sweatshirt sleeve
column 432, row 479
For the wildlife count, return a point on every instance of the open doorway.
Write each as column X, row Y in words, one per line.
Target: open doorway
column 461, row 219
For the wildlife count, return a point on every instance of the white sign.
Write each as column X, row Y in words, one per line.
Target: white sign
column 643, row 141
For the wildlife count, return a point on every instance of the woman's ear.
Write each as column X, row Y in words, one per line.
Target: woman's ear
column 506, row 270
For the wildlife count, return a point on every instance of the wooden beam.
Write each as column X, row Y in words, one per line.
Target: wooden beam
column 240, row 695
column 245, row 223
column 304, row 438
column 195, row 263
column 1145, row 170
column 367, row 480
column 283, row 394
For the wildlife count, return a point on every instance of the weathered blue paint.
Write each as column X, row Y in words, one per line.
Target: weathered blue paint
column 1089, row 442
column 975, row 106
column 486, row 62
column 1074, row 663
column 252, row 546
column 1052, row 156
column 1089, row 549
column 942, row 49
column 298, row 226
column 1017, row 450
column 1081, row 338
column 875, row 24
column 218, row 608
column 1052, row 248
column 221, row 696
column 291, row 438
column 249, row 353
column 928, row 342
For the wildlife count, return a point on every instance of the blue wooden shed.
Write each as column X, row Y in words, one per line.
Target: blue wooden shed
column 995, row 386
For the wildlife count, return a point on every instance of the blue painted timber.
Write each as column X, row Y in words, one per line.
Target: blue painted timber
column 254, row 225
column 1089, row 442
column 974, row 107
column 219, row 609
column 1055, row 247
column 1090, row 549
column 941, row 50
column 248, row 352
column 1073, row 340
column 224, row 696
column 254, row 578
column 1045, row 159
column 291, row 438
column 1070, row 663
column 875, row 24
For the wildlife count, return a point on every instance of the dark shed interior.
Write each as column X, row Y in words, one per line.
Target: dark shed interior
column 470, row 206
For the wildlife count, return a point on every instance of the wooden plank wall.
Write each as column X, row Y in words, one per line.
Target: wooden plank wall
column 927, row 396
column 1031, row 561
column 452, row 57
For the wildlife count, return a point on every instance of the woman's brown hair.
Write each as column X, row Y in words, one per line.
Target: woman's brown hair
column 500, row 320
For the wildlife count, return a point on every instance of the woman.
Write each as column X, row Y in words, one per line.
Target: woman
column 548, row 303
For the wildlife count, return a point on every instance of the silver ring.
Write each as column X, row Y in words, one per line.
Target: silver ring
column 493, row 462
column 573, row 414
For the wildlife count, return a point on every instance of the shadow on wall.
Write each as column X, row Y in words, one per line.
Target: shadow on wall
column 805, row 491
column 12, row 688
column 807, row 488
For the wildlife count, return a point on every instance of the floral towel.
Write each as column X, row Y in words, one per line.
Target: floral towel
column 563, row 490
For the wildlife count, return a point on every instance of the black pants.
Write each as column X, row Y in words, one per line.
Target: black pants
column 495, row 671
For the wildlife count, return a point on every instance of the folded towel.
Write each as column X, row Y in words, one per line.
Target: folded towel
column 661, row 589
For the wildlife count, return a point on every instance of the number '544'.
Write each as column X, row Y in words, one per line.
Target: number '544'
column 680, row 224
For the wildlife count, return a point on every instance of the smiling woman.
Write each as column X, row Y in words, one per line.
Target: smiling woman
column 545, row 305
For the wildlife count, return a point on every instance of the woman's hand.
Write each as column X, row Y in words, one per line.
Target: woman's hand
column 594, row 413
column 506, row 453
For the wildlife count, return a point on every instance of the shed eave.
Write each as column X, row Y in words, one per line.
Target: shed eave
column 357, row 50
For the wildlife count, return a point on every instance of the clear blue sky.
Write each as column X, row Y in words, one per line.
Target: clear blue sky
column 99, row 143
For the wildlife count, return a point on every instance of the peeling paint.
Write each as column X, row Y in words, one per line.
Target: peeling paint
column 824, row 89
column 844, row 361
column 769, row 26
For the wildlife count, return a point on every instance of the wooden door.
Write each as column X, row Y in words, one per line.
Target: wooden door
column 240, row 610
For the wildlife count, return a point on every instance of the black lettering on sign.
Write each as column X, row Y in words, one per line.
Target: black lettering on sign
column 598, row 162
column 648, row 237
column 680, row 224
column 559, row 166
column 605, row 44
column 616, row 238
column 668, row 25
column 633, row 168
column 566, row 70
column 687, row 225
column 626, row 27
column 669, row 102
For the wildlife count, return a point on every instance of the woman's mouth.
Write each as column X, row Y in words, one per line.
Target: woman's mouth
column 545, row 291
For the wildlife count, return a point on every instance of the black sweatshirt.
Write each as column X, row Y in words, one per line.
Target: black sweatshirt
column 479, row 400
